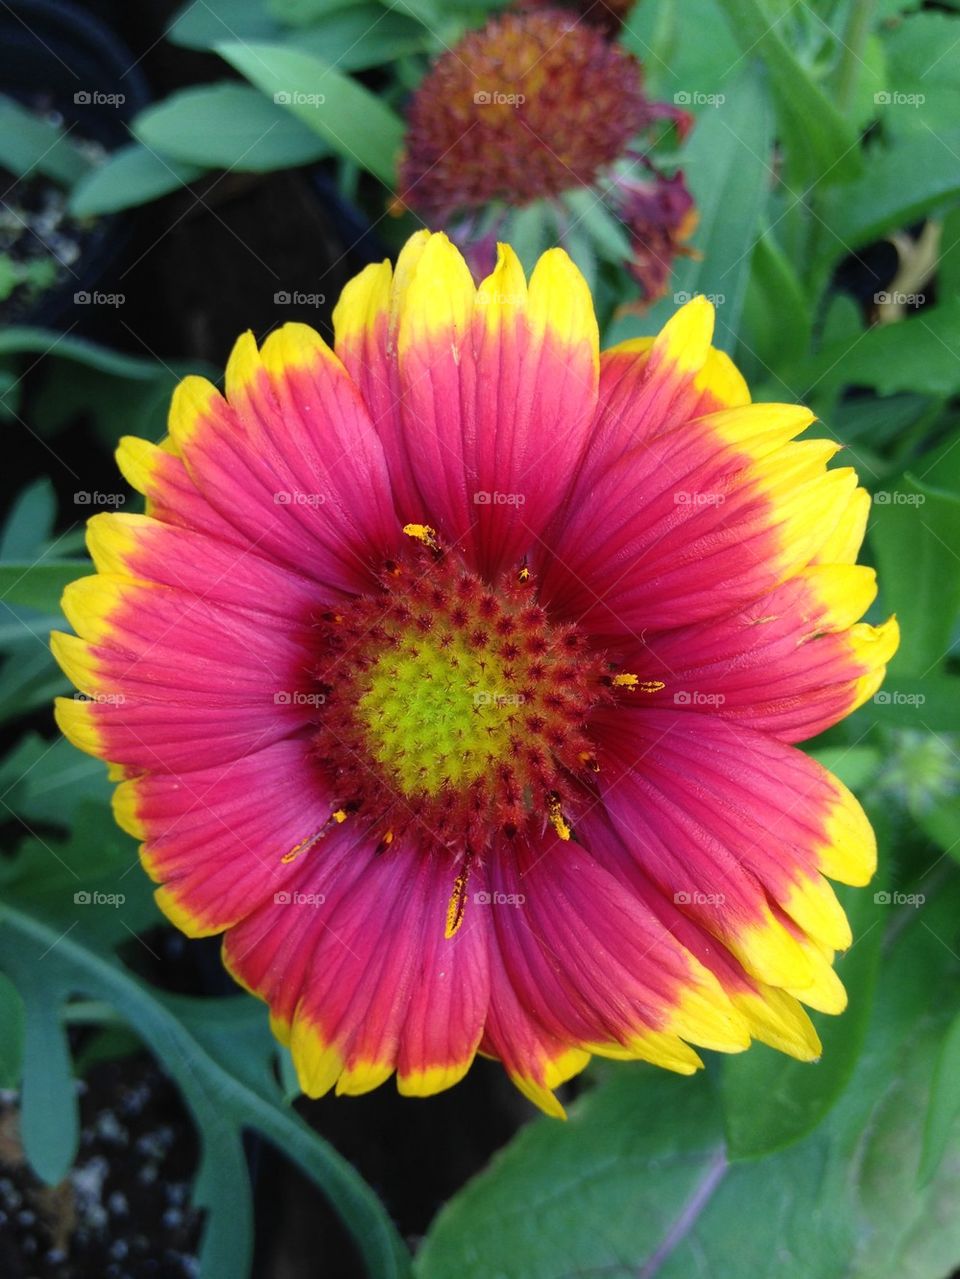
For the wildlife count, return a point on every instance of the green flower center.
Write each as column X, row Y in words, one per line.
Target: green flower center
column 438, row 714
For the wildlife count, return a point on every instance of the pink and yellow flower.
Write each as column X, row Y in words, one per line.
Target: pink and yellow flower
column 454, row 674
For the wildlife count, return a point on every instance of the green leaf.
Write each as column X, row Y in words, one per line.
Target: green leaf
column 932, row 703
column 921, row 354
column 49, row 1121
column 29, row 144
column 30, row 341
column 637, row 1182
column 777, row 316
column 11, row 1034
column 132, row 175
column 48, row 966
column 726, row 163
column 940, row 1124
column 900, row 184
column 357, row 38
column 914, row 533
column 228, row 126
column 30, row 521
column 354, row 121
column 39, row 584
column 923, row 62
column 201, row 26
column 819, row 143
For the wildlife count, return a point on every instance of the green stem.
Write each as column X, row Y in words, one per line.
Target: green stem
column 854, row 41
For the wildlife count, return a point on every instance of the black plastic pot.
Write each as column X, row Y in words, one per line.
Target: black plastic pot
column 60, row 61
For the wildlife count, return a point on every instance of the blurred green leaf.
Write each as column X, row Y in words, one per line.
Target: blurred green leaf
column 133, row 175
column 11, row 1034
column 820, row 145
column 49, row 1122
column 777, row 320
column 932, row 703
column 39, row 584
column 354, row 121
column 944, row 1107
column 726, row 162
column 201, row 26
column 21, row 340
column 30, row 522
column 915, row 533
column 228, row 126
column 900, row 184
column 923, row 58
column 29, row 144
column 363, row 36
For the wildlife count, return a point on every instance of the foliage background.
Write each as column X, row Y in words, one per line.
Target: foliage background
column 825, row 163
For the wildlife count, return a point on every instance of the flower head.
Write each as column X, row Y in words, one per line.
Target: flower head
column 541, row 108
column 454, row 676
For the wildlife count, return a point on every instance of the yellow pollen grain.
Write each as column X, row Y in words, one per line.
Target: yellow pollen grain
column 423, row 533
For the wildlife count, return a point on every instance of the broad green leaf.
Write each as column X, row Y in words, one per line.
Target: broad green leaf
column 354, row 121
column 133, row 175
column 304, row 13
column 856, row 766
column 11, row 1034
column 900, row 184
column 49, row 1123
column 923, row 61
column 726, row 162
column 228, row 126
column 39, row 584
column 819, row 143
column 363, row 36
column 777, row 315
column 29, row 144
column 921, row 354
column 915, row 534
column 201, row 26
column 30, row 522
column 944, row 1107
column 932, row 703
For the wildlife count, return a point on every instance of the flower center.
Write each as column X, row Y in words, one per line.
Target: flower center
column 456, row 706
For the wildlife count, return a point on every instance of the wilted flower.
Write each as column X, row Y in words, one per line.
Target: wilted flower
column 537, row 128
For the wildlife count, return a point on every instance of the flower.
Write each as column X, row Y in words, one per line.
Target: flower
column 455, row 678
column 537, row 121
